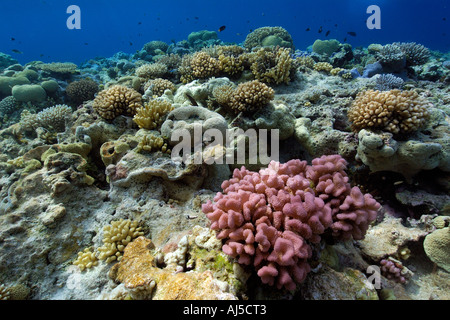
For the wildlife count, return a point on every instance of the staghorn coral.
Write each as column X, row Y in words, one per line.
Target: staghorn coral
column 273, row 65
column 152, row 114
column 386, row 82
column 158, row 86
column 394, row 111
column 415, row 54
column 116, row 236
column 250, row 96
column 269, row 36
column 117, row 100
column 82, row 90
column 267, row 218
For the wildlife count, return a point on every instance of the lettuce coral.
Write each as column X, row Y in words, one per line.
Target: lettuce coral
column 268, row 218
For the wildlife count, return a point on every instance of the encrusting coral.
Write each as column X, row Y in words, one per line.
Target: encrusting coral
column 117, row 100
column 267, row 218
column 394, row 111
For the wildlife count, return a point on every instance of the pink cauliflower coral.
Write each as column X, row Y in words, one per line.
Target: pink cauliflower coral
column 267, row 218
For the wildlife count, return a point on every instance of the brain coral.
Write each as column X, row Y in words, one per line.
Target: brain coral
column 269, row 36
column 117, row 100
column 268, row 218
column 394, row 111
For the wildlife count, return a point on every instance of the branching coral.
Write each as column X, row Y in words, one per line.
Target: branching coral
column 416, row 54
column 117, row 100
column 152, row 114
column 204, row 66
column 323, row 66
column 267, row 218
column 158, row 86
column 250, row 96
column 273, row 65
column 86, row 259
column 394, row 111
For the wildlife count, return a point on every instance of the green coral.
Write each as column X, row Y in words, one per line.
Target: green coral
column 437, row 247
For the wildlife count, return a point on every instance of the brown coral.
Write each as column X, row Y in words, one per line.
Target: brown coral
column 250, row 96
column 204, row 66
column 394, row 111
column 152, row 70
column 83, row 90
column 158, row 86
column 273, row 65
column 117, row 100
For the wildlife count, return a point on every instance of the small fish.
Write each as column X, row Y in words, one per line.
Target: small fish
column 41, row 55
column 238, row 34
column 351, row 33
column 131, row 43
column 345, row 40
column 308, row 29
column 328, row 32
column 16, row 51
column 444, row 19
column 86, row 43
column 222, row 28
column 192, row 100
column 13, row 39
column 320, row 30
column 335, row 25
column 251, row 30
column 196, row 18
column 139, row 22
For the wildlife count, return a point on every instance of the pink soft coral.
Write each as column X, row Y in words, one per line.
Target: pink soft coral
column 267, row 218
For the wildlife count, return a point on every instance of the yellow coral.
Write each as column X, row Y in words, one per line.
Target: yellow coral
column 152, row 114
column 272, row 66
column 117, row 100
column 394, row 111
column 86, row 259
column 151, row 143
column 323, row 66
column 115, row 238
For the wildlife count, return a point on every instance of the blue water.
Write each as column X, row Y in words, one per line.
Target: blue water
column 39, row 29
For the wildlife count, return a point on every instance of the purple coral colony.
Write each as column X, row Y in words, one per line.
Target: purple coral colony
column 94, row 205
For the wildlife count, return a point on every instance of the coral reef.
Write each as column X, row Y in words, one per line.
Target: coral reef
column 267, row 218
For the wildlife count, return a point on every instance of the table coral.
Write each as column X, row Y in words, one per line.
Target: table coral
column 268, row 218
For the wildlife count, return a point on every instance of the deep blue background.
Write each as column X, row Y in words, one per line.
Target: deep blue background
column 108, row 26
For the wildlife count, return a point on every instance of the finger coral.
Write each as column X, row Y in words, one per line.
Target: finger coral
column 152, row 114
column 268, row 218
column 115, row 238
column 117, row 100
column 394, row 111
